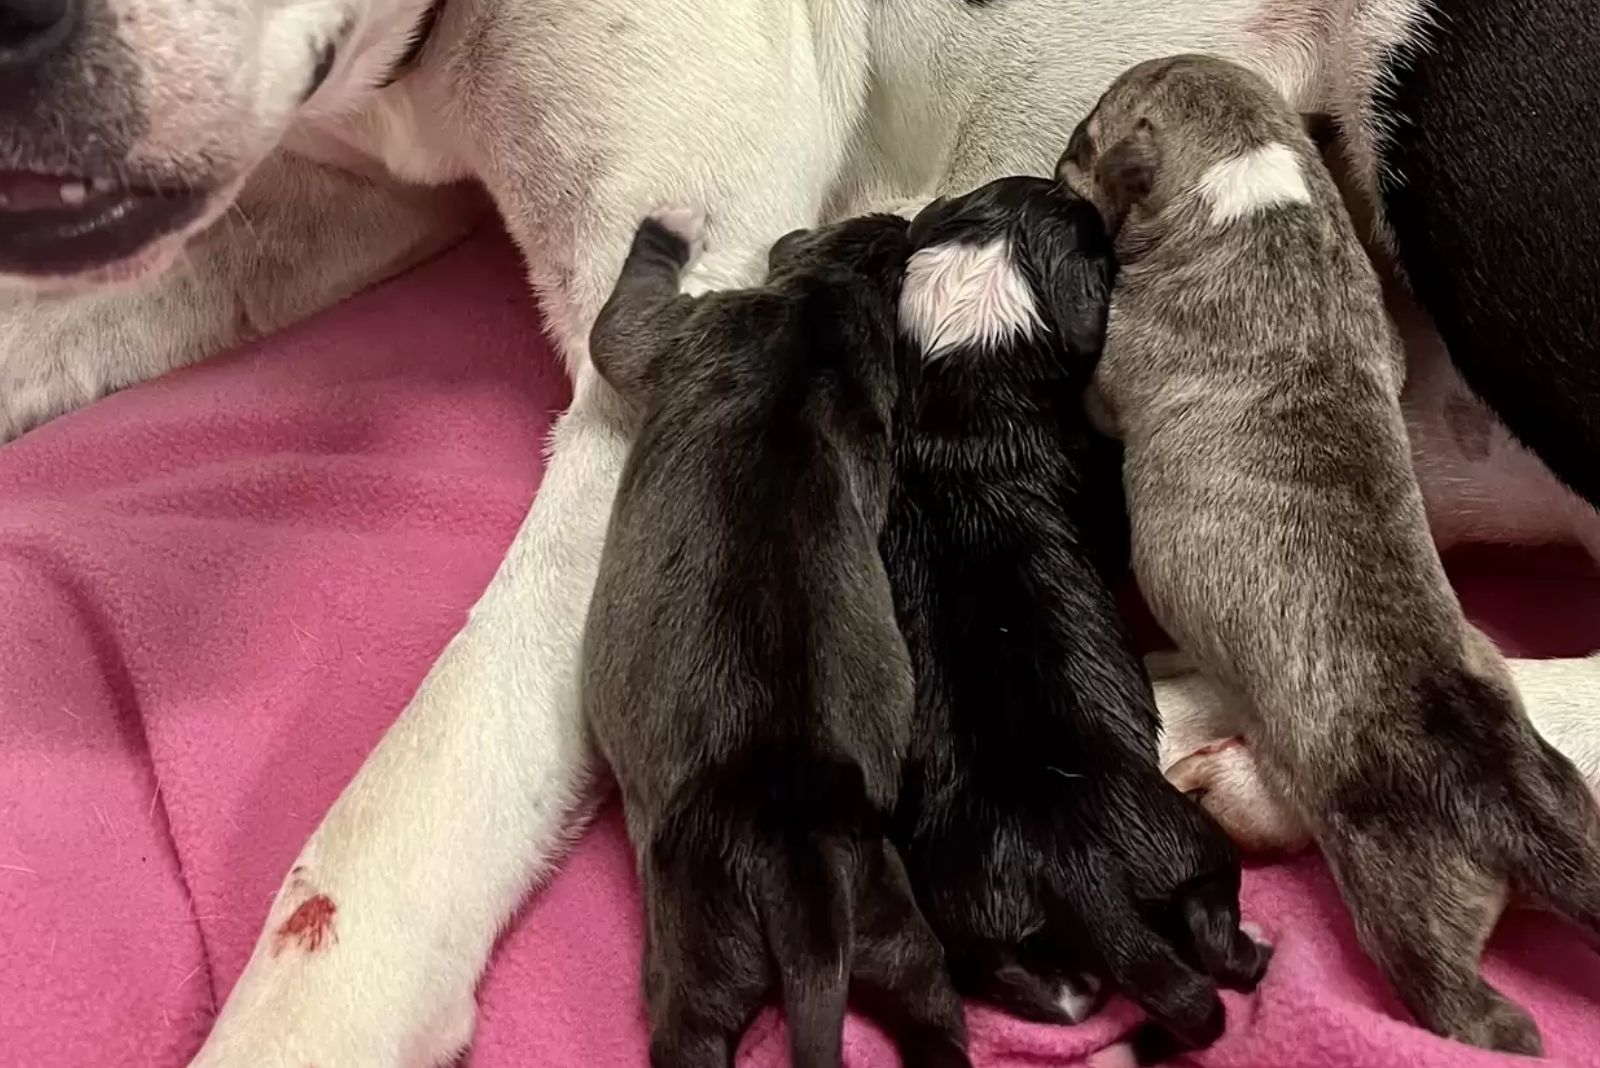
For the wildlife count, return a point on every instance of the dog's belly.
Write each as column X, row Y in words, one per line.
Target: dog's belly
column 967, row 92
column 1479, row 483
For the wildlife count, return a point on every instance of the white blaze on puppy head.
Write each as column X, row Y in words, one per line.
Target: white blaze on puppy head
column 958, row 294
column 1258, row 180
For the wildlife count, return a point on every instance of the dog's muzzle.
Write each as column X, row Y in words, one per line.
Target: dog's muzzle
column 55, row 222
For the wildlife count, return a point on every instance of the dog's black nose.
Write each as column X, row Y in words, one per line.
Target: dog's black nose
column 32, row 29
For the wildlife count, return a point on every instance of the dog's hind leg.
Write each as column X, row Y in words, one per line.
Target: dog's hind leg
column 899, row 975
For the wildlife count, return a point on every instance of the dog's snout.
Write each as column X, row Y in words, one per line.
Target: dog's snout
column 30, row 30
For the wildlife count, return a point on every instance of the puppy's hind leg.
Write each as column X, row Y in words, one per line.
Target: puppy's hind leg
column 706, row 969
column 1031, row 981
column 899, row 975
column 1548, row 829
column 646, row 302
column 1558, row 860
column 1423, row 912
column 1227, row 953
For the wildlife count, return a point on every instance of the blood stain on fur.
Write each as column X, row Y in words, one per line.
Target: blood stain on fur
column 310, row 926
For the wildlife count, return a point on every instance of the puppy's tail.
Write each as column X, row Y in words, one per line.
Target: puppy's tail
column 809, row 918
column 841, row 920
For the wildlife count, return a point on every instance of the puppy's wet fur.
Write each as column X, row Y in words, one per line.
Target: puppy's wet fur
column 1278, row 534
column 743, row 672
column 1046, row 848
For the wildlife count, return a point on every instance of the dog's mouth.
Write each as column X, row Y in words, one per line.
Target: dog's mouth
column 53, row 224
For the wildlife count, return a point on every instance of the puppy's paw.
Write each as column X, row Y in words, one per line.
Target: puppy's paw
column 1504, row 1027
column 1257, row 935
column 685, row 223
column 1224, row 778
column 1079, row 998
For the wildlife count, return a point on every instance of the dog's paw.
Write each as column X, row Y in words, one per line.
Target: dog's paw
column 1224, row 779
column 685, row 223
column 52, row 361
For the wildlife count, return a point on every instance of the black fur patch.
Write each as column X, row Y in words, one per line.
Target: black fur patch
column 1494, row 209
column 743, row 672
column 1042, row 840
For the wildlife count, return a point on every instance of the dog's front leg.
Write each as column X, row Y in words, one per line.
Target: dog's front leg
column 264, row 265
column 471, row 795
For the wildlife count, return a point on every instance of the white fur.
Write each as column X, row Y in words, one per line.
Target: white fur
column 1080, row 999
column 957, row 295
column 579, row 116
column 1252, row 182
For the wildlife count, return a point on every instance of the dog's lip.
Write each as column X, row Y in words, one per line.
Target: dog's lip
column 54, row 224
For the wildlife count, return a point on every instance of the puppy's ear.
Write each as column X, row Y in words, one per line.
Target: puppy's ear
column 1125, row 173
column 1066, row 255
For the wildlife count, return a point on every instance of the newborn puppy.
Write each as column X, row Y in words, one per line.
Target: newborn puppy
column 1045, row 846
column 1278, row 534
column 743, row 672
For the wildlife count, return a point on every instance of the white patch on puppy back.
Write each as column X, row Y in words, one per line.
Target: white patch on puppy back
column 1254, row 181
column 956, row 294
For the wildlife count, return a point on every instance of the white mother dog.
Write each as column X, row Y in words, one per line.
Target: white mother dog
column 130, row 128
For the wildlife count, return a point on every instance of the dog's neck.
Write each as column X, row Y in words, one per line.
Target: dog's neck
column 385, row 121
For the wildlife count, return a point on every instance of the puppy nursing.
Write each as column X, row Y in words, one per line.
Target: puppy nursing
column 1278, row 534
column 1046, row 848
column 743, row 672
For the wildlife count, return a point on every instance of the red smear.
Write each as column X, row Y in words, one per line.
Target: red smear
column 310, row 925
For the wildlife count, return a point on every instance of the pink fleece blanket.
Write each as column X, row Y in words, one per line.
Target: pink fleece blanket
column 222, row 586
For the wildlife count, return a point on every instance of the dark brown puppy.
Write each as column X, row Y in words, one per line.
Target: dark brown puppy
column 743, row 672
column 1045, row 846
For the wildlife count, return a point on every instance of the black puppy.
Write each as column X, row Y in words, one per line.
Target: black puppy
column 1046, row 848
column 743, row 671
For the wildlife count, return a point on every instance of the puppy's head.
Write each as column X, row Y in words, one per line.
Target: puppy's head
column 1159, row 133
column 844, row 280
column 870, row 249
column 128, row 125
column 1019, row 259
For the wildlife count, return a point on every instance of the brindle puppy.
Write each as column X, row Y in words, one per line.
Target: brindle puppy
column 1278, row 533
